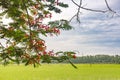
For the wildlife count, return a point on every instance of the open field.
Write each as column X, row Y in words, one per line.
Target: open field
column 61, row 72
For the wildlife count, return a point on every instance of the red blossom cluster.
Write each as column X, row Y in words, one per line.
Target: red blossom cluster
column 49, row 53
column 39, row 45
column 37, row 20
column 74, row 56
column 49, row 29
column 57, row 2
column 71, row 55
column 31, row 58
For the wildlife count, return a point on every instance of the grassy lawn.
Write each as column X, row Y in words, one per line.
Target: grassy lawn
column 61, row 72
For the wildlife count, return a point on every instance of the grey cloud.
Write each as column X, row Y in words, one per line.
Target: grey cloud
column 101, row 32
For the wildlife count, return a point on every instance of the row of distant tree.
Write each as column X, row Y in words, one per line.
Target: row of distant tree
column 102, row 59
column 97, row 59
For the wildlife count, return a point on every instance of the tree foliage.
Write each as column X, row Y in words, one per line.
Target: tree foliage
column 21, row 41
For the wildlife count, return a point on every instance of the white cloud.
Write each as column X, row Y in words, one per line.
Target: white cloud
column 93, row 36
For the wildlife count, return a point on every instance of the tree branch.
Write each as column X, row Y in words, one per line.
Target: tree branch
column 78, row 12
column 30, row 31
column 108, row 5
column 88, row 9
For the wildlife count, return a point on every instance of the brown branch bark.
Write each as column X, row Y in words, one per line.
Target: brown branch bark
column 103, row 11
column 30, row 31
column 78, row 12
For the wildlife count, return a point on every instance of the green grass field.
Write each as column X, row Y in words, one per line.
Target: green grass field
column 61, row 72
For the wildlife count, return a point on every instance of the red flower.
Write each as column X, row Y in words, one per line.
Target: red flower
column 39, row 20
column 36, row 6
column 50, row 15
column 56, row 30
column 44, row 53
column 57, row 2
column 35, row 12
column 74, row 56
column 40, row 42
column 11, row 28
column 32, row 22
column 26, row 35
column 50, row 53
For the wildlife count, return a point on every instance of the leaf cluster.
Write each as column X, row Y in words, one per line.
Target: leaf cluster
column 21, row 36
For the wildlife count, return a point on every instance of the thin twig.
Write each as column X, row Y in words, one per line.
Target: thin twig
column 2, row 45
column 93, row 10
column 78, row 12
column 30, row 31
column 28, row 19
column 72, row 18
column 88, row 8
column 108, row 5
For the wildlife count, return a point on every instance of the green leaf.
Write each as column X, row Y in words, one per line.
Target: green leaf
column 73, row 65
column 63, row 5
column 59, row 52
column 61, row 24
column 3, row 13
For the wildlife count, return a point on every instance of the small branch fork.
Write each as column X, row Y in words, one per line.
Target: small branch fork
column 27, row 17
column 77, row 15
column 30, row 30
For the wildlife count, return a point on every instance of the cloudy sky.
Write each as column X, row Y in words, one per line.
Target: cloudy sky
column 98, row 33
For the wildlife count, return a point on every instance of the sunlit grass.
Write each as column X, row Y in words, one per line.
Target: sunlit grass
column 61, row 72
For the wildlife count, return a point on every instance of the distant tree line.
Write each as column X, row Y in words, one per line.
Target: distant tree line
column 97, row 59
column 90, row 59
